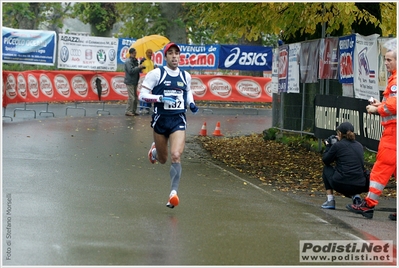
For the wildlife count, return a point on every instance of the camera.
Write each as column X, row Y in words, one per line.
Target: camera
column 331, row 140
column 142, row 60
column 371, row 100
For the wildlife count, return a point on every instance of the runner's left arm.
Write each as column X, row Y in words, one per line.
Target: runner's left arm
column 190, row 97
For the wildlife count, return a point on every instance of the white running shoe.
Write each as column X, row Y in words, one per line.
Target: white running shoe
column 151, row 157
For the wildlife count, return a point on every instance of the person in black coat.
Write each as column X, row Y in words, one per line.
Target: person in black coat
column 132, row 76
column 344, row 166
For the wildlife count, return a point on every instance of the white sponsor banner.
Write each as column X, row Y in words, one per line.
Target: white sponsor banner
column 293, row 68
column 274, row 87
column 87, row 53
column 365, row 82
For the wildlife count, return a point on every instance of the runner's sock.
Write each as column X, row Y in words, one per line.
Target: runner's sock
column 175, row 174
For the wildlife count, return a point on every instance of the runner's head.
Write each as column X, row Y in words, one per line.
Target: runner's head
column 172, row 55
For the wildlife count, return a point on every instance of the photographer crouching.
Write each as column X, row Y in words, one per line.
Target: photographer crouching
column 346, row 176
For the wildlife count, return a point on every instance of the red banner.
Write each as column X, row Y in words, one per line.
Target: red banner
column 71, row 86
column 231, row 88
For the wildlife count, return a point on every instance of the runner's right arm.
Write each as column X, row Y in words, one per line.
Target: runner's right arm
column 150, row 81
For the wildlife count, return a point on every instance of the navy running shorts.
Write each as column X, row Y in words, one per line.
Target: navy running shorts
column 167, row 124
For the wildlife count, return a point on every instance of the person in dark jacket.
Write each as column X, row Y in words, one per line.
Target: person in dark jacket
column 346, row 176
column 132, row 76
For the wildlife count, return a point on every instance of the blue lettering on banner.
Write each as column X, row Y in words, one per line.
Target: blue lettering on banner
column 198, row 57
column 254, row 58
column 123, row 43
column 28, row 46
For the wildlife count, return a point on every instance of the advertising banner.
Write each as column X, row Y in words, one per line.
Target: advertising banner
column 346, row 47
column 274, row 86
column 328, row 58
column 250, row 58
column 365, row 83
column 71, row 86
column 309, row 58
column 283, row 68
column 198, row 56
column 293, row 68
column 87, row 53
column 28, row 46
column 123, row 47
column 231, row 88
column 331, row 111
column 48, row 86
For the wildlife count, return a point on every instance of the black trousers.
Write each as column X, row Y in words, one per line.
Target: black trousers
column 346, row 189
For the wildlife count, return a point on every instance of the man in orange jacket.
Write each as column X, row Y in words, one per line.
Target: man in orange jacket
column 385, row 165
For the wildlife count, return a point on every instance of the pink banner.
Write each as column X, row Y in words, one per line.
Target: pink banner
column 71, row 86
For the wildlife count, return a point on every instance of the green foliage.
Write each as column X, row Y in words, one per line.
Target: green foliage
column 254, row 20
column 14, row 12
column 140, row 19
column 312, row 144
column 102, row 16
column 270, row 134
column 388, row 14
column 20, row 67
column 33, row 15
column 369, row 157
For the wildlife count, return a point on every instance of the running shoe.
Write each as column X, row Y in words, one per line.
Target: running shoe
column 329, row 204
column 151, row 157
column 173, row 201
column 356, row 201
column 392, row 216
column 363, row 209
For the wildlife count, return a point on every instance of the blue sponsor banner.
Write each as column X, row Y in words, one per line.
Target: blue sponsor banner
column 250, row 58
column 28, row 46
column 196, row 57
column 346, row 46
column 123, row 47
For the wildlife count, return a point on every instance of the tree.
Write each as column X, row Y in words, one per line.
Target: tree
column 33, row 16
column 363, row 26
column 140, row 19
column 173, row 13
column 254, row 20
column 143, row 19
column 101, row 16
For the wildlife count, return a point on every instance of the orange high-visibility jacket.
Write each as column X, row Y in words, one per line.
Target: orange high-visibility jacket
column 385, row 164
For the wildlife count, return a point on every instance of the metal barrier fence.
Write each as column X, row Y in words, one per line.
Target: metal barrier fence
column 295, row 112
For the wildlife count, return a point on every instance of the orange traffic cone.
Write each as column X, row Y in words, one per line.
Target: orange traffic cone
column 217, row 130
column 203, row 130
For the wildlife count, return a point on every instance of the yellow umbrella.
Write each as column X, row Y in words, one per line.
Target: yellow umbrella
column 154, row 42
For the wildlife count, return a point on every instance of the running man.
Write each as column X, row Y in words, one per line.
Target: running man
column 169, row 89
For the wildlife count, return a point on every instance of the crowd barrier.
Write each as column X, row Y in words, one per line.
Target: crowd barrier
column 31, row 87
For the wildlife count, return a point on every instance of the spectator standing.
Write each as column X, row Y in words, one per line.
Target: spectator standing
column 149, row 65
column 169, row 89
column 347, row 176
column 385, row 165
column 132, row 75
column 147, row 62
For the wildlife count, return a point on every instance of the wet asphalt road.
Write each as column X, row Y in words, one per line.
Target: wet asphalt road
column 79, row 190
